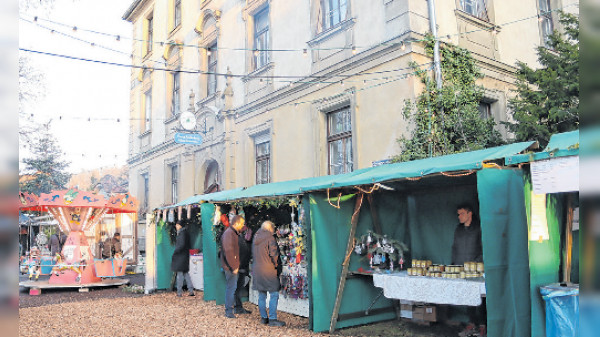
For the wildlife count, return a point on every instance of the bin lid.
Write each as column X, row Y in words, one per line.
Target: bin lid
column 556, row 290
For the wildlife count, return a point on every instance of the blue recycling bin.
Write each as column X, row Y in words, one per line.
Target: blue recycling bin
column 562, row 310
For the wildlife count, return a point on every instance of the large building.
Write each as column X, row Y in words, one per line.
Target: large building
column 284, row 90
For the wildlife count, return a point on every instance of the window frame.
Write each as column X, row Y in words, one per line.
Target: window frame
column 546, row 21
column 328, row 20
column 150, row 33
column 176, row 13
column 480, row 14
column 345, row 136
column 174, row 184
column 211, row 68
column 261, row 55
column 175, row 93
column 263, row 160
column 147, row 110
column 145, row 190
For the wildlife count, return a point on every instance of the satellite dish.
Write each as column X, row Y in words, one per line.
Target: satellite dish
column 187, row 120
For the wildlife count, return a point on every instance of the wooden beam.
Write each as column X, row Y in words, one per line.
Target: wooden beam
column 346, row 263
column 374, row 215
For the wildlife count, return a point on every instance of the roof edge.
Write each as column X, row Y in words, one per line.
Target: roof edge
column 134, row 5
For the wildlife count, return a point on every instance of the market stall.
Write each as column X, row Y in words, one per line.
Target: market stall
column 412, row 203
column 552, row 202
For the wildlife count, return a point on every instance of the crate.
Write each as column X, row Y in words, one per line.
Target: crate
column 425, row 313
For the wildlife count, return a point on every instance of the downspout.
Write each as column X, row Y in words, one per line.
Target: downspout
column 436, row 61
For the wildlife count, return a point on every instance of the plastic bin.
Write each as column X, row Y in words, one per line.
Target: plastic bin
column 562, row 310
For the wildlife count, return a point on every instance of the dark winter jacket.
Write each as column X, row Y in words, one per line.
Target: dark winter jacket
column 266, row 261
column 181, row 255
column 467, row 244
column 245, row 253
column 230, row 250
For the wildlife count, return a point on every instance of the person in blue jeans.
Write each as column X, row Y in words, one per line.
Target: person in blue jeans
column 265, row 272
column 230, row 262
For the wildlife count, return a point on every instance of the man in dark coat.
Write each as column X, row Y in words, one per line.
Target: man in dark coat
column 230, row 261
column 244, row 242
column 180, row 262
column 265, row 276
column 467, row 237
column 467, row 247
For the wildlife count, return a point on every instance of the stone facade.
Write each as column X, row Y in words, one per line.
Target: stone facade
column 268, row 120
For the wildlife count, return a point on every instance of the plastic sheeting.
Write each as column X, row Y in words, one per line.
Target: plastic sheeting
column 562, row 310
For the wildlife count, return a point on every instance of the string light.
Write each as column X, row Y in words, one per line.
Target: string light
column 353, row 50
column 118, row 38
column 304, row 52
column 74, row 28
column 402, row 46
column 208, row 52
column 256, row 53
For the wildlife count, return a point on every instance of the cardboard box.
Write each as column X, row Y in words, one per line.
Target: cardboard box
column 406, row 314
column 426, row 313
column 408, row 307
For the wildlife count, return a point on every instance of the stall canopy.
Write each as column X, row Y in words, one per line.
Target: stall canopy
column 456, row 162
column 560, row 145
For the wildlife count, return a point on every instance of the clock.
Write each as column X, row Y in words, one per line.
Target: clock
column 187, row 120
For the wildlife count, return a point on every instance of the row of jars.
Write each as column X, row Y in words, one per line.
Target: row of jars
column 469, row 267
column 418, row 271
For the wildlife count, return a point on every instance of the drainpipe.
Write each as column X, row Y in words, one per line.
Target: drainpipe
column 436, row 61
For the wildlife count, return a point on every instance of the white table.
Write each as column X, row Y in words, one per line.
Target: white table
column 431, row 289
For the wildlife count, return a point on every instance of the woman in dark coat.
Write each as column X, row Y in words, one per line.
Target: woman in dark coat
column 265, row 277
column 180, row 262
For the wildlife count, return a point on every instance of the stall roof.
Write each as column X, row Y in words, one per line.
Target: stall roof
column 418, row 168
column 560, row 145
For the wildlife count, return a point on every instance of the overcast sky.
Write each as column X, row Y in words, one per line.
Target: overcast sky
column 76, row 90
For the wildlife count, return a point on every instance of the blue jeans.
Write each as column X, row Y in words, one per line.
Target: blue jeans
column 230, row 291
column 188, row 281
column 262, row 304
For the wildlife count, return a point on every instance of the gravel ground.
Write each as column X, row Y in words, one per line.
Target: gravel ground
column 114, row 312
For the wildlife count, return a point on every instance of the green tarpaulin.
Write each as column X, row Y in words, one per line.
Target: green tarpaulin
column 505, row 251
column 560, row 145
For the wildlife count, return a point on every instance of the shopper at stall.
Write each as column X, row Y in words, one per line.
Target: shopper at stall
column 230, row 262
column 244, row 241
column 467, row 247
column 54, row 244
column 180, row 262
column 265, row 274
column 467, row 237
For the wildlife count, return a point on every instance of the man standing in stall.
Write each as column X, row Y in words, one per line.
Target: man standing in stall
column 230, row 261
column 467, row 247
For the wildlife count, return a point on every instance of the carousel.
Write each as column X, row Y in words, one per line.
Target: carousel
column 77, row 211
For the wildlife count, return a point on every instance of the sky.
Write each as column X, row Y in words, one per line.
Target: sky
column 77, row 90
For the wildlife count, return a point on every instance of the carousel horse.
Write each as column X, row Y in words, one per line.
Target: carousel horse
column 61, row 266
column 33, row 263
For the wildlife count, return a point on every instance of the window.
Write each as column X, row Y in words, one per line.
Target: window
column 475, row 8
column 212, row 69
column 147, row 110
column 546, row 24
column 339, row 141
column 175, row 93
column 263, row 160
column 261, row 38
column 150, row 32
column 146, row 193
column 485, row 110
column 174, row 181
column 334, row 12
column 177, row 14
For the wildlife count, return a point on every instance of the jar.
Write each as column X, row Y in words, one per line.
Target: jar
column 479, row 267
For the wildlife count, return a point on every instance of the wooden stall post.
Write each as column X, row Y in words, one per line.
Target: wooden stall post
column 349, row 249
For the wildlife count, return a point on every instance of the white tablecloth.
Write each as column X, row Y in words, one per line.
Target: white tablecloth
column 431, row 289
column 197, row 271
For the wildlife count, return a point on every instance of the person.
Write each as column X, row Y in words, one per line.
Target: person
column 467, row 237
column 112, row 246
column 230, row 262
column 54, row 244
column 265, row 274
column 467, row 247
column 244, row 239
column 62, row 239
column 180, row 262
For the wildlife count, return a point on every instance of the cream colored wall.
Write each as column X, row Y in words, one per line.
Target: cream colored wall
column 298, row 135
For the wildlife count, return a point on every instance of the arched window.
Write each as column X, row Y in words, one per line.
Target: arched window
column 211, row 179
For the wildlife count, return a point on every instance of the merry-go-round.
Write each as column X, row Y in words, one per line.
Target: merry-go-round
column 75, row 266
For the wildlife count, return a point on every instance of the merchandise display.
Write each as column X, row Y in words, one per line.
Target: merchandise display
column 426, row 268
column 382, row 252
column 290, row 239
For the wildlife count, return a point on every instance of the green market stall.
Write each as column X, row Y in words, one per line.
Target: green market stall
column 412, row 202
column 552, row 200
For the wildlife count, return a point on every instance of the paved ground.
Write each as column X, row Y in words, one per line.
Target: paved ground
column 114, row 312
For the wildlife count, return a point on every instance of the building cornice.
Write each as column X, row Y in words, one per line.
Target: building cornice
column 136, row 6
